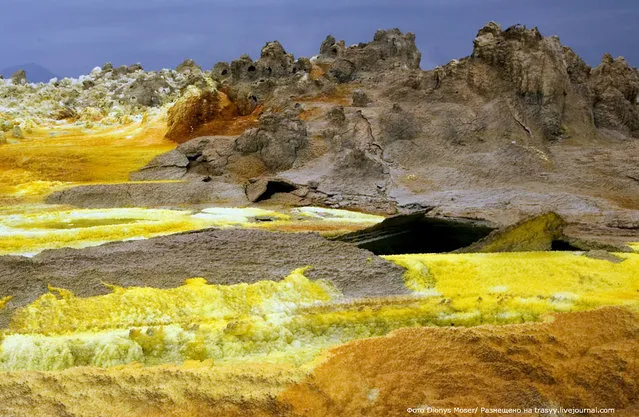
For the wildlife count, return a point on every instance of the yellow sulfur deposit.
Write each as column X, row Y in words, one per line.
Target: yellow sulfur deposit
column 4, row 301
column 33, row 232
column 152, row 326
column 31, row 167
column 327, row 222
column 294, row 320
column 29, row 229
column 519, row 273
column 60, row 312
column 527, row 281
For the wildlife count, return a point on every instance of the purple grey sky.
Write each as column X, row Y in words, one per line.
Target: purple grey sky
column 70, row 37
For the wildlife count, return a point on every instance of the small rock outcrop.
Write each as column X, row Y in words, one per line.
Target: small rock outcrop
column 360, row 98
column 276, row 141
column 194, row 109
column 342, row 70
column 188, row 66
column 19, row 77
column 537, row 233
column 534, row 65
column 389, row 49
column 221, row 71
column 330, row 48
column 274, row 62
column 616, row 86
column 208, row 155
column 146, row 90
column 168, row 166
column 127, row 69
column 272, row 146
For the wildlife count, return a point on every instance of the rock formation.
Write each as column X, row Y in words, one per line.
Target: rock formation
column 194, row 109
column 364, row 127
column 276, row 141
column 106, row 96
column 188, row 66
column 272, row 146
column 534, row 67
column 19, row 77
column 169, row 166
column 389, row 49
column 615, row 86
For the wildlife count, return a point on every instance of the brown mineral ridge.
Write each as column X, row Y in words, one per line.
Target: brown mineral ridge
column 166, row 390
column 582, row 360
column 586, row 359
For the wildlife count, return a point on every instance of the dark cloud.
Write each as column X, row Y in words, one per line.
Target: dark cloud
column 72, row 36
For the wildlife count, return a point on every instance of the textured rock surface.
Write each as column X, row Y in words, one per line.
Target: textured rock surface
column 577, row 359
column 169, row 166
column 534, row 65
column 150, row 194
column 568, row 361
column 250, row 83
column 360, row 98
column 188, row 66
column 616, row 86
column 92, row 391
column 276, row 140
column 533, row 234
column 220, row 256
column 193, row 110
column 272, row 146
column 388, row 49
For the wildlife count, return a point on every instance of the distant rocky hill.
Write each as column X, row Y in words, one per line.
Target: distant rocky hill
column 35, row 73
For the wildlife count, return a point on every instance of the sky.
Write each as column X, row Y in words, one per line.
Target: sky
column 70, row 37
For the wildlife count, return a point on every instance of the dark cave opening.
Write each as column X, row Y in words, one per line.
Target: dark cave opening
column 420, row 232
column 417, row 233
column 562, row 245
column 274, row 187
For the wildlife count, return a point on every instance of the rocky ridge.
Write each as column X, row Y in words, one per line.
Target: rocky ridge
column 522, row 119
column 364, row 127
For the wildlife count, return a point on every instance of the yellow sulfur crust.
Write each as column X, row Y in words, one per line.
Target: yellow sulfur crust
column 30, row 168
column 294, row 320
column 30, row 229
